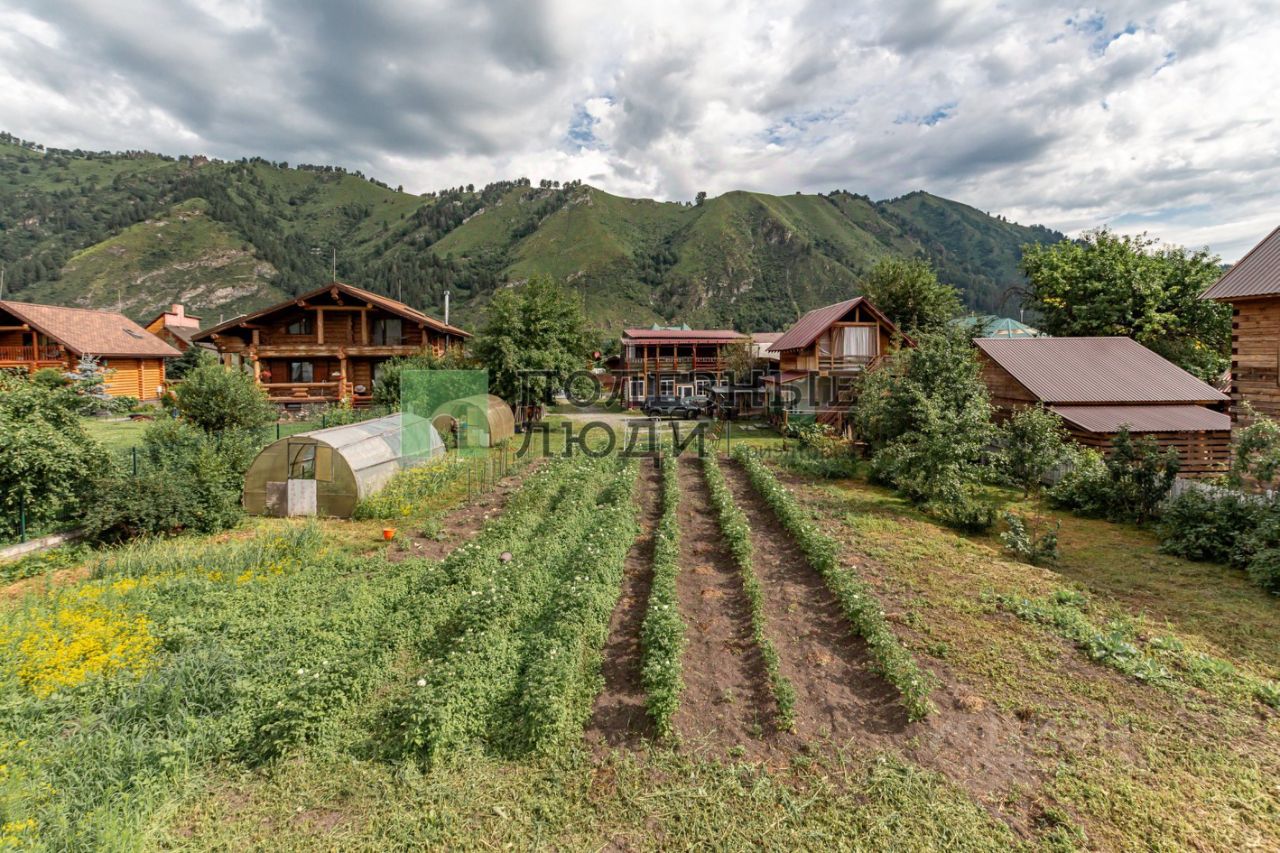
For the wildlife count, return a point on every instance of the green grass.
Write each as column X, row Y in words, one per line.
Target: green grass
column 115, row 435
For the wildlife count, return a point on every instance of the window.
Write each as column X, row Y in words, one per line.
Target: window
column 388, row 331
column 665, row 387
column 301, row 371
column 703, row 385
column 301, row 326
column 637, row 389
column 302, row 461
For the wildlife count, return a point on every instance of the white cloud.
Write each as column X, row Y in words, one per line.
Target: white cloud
column 1142, row 114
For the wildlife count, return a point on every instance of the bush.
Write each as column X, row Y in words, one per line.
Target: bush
column 1128, row 485
column 964, row 512
column 1030, row 539
column 47, row 462
column 188, row 481
column 217, row 398
column 50, row 378
column 1264, row 570
column 1203, row 525
column 1035, row 442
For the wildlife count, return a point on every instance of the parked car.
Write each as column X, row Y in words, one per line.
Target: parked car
column 667, row 406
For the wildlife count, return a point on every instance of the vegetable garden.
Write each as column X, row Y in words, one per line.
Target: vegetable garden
column 138, row 691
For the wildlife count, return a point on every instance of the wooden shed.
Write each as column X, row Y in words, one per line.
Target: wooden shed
column 1099, row 385
column 1252, row 287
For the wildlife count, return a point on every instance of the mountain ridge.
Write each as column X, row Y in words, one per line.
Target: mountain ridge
column 137, row 230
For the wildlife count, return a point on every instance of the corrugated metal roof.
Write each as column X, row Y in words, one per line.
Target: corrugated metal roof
column 786, row 376
column 684, row 336
column 1095, row 370
column 1144, row 418
column 808, row 327
column 82, row 330
column 1256, row 274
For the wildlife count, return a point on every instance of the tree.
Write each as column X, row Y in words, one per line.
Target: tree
column 386, row 389
column 217, row 398
column 700, row 198
column 531, row 331
column 194, row 357
column 1035, row 442
column 927, row 416
column 908, row 291
column 1108, row 284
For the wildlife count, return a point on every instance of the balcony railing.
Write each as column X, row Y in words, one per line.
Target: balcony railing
column 679, row 364
column 25, row 354
column 844, row 362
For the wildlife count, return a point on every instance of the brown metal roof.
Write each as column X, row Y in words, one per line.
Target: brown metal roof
column 1095, row 370
column 806, row 330
column 85, row 331
column 1144, row 418
column 684, row 336
column 1256, row 274
column 384, row 302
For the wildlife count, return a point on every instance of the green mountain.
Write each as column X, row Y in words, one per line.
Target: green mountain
column 140, row 230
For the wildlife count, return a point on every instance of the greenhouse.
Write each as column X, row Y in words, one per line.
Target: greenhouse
column 478, row 421
column 328, row 471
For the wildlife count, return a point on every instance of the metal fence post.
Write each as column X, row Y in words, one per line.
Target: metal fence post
column 134, row 450
column 22, row 516
column 277, row 430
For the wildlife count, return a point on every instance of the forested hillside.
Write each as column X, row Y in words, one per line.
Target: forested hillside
column 139, row 230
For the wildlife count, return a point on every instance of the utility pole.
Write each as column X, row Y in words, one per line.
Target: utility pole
column 335, row 264
column 1, row 282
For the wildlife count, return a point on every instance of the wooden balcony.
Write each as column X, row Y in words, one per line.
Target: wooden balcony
column 303, row 392
column 679, row 364
column 845, row 363
column 326, row 350
column 30, row 355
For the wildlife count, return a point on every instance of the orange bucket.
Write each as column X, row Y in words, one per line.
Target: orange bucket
column 388, row 533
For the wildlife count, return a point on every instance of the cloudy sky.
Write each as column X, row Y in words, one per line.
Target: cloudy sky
column 1148, row 116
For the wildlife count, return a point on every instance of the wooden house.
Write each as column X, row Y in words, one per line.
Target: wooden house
column 1252, row 287
column 675, row 362
column 328, row 345
column 1099, row 385
column 822, row 355
column 175, row 327
column 33, row 337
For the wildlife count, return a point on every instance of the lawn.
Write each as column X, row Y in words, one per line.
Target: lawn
column 115, row 435
column 294, row 685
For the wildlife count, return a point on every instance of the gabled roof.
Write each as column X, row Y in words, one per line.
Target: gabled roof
column 1256, row 274
column 1095, row 370
column 814, row 323
column 684, row 336
column 85, row 331
column 384, row 302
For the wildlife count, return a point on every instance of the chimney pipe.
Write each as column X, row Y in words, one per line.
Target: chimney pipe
column 446, row 306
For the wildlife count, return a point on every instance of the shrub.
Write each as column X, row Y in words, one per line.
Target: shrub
column 1128, row 485
column 1203, row 525
column 50, row 378
column 965, row 512
column 1264, row 570
column 217, row 398
column 1035, row 442
column 1030, row 539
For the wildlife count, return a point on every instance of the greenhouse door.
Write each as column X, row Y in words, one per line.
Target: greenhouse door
column 302, row 479
column 302, row 497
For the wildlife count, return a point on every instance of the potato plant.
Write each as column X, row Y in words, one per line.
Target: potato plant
column 737, row 532
column 860, row 606
column 662, row 638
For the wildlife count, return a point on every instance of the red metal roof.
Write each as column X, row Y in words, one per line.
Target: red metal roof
column 786, row 376
column 1256, row 274
column 85, row 331
column 385, row 302
column 808, row 327
column 1144, row 418
column 684, row 336
column 1095, row 370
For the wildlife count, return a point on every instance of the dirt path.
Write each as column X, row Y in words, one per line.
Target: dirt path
column 460, row 524
column 619, row 717
column 838, row 694
column 726, row 701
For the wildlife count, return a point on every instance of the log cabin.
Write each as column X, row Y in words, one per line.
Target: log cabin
column 328, row 345
column 1252, row 287
column 1098, row 385
column 674, row 362
column 33, row 337
column 822, row 355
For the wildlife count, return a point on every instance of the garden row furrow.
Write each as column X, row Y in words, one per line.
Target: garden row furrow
column 472, row 667
column 662, row 636
column 861, row 607
column 737, row 533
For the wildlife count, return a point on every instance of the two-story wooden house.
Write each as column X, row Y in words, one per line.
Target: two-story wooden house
column 679, row 362
column 1252, row 287
column 33, row 337
column 822, row 355
column 328, row 345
